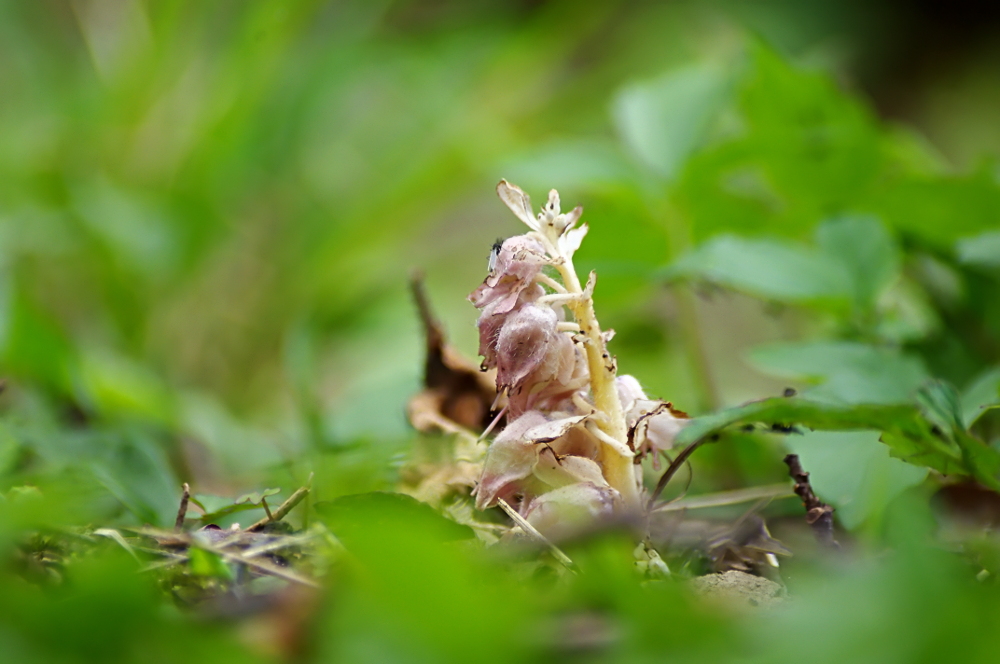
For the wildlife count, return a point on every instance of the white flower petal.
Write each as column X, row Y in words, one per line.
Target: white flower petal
column 570, row 241
column 552, row 206
column 518, row 202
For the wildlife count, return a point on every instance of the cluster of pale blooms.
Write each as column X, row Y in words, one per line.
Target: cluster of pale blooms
column 576, row 433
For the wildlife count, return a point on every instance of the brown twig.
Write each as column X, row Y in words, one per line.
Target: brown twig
column 284, row 509
column 183, row 509
column 819, row 515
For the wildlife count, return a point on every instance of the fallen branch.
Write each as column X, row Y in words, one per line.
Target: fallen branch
column 819, row 515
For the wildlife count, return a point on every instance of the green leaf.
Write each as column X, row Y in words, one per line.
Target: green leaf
column 217, row 508
column 866, row 250
column 663, row 120
column 907, row 431
column 207, row 563
column 982, row 250
column 572, row 165
column 846, row 371
column 940, row 404
column 901, row 418
column 799, row 149
column 981, row 395
column 382, row 518
column 941, row 210
column 767, row 269
column 853, row 472
column 257, row 497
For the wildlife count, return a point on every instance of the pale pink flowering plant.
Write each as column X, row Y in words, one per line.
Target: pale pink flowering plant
column 576, row 432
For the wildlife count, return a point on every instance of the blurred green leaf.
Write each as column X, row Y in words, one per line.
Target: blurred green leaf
column 207, row 563
column 941, row 209
column 767, row 269
column 940, row 404
column 846, row 371
column 982, row 250
column 983, row 393
column 854, row 472
column 380, row 517
column 572, row 165
column 106, row 613
column 886, row 608
column 34, row 344
column 868, row 252
column 796, row 151
column 118, row 387
column 662, row 121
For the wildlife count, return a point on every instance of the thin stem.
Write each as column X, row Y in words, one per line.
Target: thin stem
column 532, row 532
column 616, row 459
column 724, row 498
column 550, row 282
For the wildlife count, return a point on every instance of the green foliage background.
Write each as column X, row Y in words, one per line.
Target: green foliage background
column 209, row 213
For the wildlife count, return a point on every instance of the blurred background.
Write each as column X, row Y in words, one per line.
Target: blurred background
column 209, row 212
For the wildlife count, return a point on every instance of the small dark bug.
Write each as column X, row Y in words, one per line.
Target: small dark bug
column 494, row 254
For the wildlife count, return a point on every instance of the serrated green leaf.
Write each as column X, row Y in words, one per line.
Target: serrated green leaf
column 905, row 429
column 904, row 419
column 940, row 404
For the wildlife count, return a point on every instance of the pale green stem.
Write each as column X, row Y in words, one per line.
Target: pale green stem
column 618, row 467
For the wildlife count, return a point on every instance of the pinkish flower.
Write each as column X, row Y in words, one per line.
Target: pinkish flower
column 491, row 321
column 535, row 454
column 536, row 362
column 518, row 262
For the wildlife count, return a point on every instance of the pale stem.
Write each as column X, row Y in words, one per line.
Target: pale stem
column 550, row 282
column 615, row 459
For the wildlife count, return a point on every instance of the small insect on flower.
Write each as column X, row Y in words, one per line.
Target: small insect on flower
column 494, row 254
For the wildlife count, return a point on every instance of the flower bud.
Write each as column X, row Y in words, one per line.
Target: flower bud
column 528, row 340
